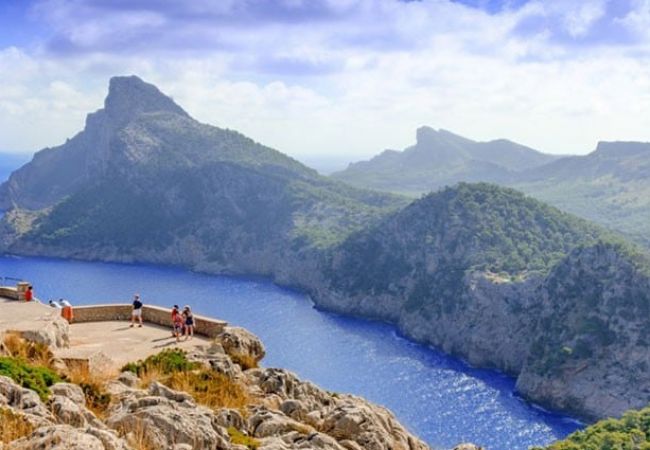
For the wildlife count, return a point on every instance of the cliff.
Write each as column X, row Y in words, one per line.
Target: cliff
column 215, row 397
column 476, row 270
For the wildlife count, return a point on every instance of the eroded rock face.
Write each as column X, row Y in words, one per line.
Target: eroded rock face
column 25, row 402
column 238, row 342
column 163, row 417
column 66, row 437
column 54, row 334
column 306, row 409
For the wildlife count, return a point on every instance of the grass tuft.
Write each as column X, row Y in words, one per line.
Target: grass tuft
column 245, row 361
column 210, row 388
column 93, row 386
column 18, row 347
column 239, row 438
column 12, row 426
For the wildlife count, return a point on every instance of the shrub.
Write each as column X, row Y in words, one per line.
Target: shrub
column 631, row 432
column 245, row 361
column 166, row 362
column 92, row 385
column 36, row 378
column 12, row 426
column 18, row 347
column 239, row 438
column 210, row 388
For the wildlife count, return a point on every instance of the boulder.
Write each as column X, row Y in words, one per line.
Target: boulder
column 370, row 426
column 54, row 334
column 241, row 345
column 468, row 446
column 227, row 418
column 267, row 423
column 25, row 401
column 65, row 437
column 162, row 416
column 129, row 379
column 71, row 391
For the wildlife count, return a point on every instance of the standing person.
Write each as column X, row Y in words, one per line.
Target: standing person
column 67, row 312
column 29, row 294
column 136, row 312
column 178, row 326
column 175, row 313
column 189, row 322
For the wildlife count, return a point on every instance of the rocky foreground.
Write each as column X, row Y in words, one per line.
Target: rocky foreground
column 280, row 411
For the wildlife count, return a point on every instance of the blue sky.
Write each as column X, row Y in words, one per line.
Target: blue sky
column 337, row 77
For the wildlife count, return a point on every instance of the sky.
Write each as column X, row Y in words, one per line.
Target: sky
column 337, row 78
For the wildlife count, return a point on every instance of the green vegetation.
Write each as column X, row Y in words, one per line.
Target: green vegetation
column 631, row 432
column 36, row 378
column 166, row 362
column 239, row 438
column 436, row 240
column 172, row 368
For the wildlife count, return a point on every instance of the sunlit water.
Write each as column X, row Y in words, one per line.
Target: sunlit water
column 439, row 398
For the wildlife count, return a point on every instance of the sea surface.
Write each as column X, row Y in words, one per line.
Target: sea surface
column 439, row 398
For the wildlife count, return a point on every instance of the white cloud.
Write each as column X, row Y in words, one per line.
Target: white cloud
column 353, row 84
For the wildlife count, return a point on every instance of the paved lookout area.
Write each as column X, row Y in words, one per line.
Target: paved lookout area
column 100, row 336
column 122, row 344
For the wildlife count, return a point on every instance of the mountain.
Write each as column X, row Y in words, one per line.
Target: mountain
column 505, row 281
column 145, row 182
column 441, row 158
column 610, row 186
column 477, row 270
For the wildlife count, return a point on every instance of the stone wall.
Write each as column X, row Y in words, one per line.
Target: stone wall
column 9, row 292
column 205, row 326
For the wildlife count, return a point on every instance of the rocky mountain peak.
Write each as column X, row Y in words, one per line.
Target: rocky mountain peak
column 618, row 149
column 129, row 96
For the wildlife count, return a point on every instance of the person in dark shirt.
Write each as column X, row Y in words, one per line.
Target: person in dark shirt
column 136, row 312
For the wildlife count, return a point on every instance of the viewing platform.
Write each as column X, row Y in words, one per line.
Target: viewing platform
column 100, row 337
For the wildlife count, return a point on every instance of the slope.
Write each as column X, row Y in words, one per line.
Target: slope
column 146, row 182
column 508, row 282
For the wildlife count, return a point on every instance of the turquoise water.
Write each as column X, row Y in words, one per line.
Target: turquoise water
column 439, row 398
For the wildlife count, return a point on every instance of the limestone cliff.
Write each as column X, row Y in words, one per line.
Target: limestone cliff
column 275, row 409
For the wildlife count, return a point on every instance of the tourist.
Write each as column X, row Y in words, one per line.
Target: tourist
column 175, row 313
column 67, row 312
column 29, row 294
column 178, row 326
column 136, row 313
column 189, row 322
column 55, row 304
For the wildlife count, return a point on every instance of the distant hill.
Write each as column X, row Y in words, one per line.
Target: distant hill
column 145, row 181
column 506, row 281
column 441, row 158
column 610, row 186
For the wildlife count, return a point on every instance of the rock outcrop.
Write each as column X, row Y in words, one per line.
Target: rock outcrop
column 282, row 413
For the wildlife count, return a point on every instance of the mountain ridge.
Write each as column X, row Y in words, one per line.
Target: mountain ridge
column 173, row 191
column 608, row 186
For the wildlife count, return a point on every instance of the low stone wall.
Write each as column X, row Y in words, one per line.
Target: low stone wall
column 9, row 292
column 205, row 326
